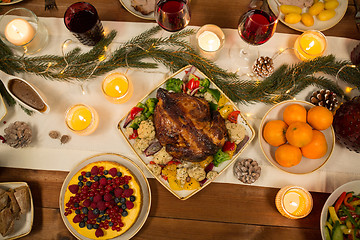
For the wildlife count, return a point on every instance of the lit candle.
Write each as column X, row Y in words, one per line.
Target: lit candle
column 310, row 44
column 81, row 119
column 19, row 32
column 209, row 41
column 117, row 88
column 294, row 202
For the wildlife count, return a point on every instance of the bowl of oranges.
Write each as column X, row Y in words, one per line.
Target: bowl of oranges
column 297, row 136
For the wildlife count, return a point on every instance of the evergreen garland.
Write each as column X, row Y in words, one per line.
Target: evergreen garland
column 174, row 52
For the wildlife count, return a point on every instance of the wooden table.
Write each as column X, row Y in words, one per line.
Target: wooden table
column 220, row 211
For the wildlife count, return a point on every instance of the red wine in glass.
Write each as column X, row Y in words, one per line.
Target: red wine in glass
column 172, row 15
column 257, row 26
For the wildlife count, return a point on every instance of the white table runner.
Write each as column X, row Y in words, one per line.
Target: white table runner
column 48, row 154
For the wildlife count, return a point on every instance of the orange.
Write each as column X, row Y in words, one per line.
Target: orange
column 299, row 134
column 287, row 155
column 294, row 113
column 317, row 148
column 320, row 117
column 274, row 132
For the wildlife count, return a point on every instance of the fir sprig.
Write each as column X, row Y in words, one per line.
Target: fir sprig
column 175, row 52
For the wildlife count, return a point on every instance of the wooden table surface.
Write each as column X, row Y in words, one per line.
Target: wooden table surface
column 220, row 211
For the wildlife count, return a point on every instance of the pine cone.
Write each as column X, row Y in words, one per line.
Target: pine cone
column 263, row 67
column 247, row 170
column 18, row 134
column 325, row 98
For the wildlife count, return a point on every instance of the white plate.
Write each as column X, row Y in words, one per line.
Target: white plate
column 144, row 184
column 22, row 227
column 306, row 165
column 185, row 194
column 318, row 25
column 127, row 5
column 3, row 109
column 353, row 186
column 12, row 2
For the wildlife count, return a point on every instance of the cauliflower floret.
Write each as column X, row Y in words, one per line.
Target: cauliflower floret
column 141, row 144
column 197, row 172
column 181, row 175
column 211, row 175
column 156, row 169
column 236, row 131
column 208, row 97
column 162, row 157
column 129, row 131
column 146, row 130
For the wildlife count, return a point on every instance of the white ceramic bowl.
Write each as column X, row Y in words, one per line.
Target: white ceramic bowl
column 347, row 187
column 306, row 165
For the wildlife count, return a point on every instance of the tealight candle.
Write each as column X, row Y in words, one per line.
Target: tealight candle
column 210, row 39
column 82, row 119
column 19, row 32
column 294, row 202
column 310, row 44
column 117, row 88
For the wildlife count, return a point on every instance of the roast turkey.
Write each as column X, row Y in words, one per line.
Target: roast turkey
column 186, row 127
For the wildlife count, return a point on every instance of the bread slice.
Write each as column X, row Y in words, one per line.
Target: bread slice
column 144, row 6
column 14, row 206
column 6, row 221
column 4, row 201
column 23, row 199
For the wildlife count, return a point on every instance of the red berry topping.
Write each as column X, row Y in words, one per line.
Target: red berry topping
column 87, row 203
column 101, row 206
column 91, row 215
column 103, row 181
column 97, row 198
column 74, row 188
column 113, row 172
column 93, row 205
column 77, row 219
column 94, row 170
column 128, row 192
column 129, row 204
column 118, row 192
column 107, row 197
column 99, row 232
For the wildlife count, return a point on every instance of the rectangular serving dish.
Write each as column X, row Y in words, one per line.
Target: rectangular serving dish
column 185, row 194
column 22, row 226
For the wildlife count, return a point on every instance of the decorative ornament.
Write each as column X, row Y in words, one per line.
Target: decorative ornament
column 247, row 170
column 347, row 124
column 324, row 98
column 18, row 134
column 54, row 134
column 263, row 66
column 65, row 139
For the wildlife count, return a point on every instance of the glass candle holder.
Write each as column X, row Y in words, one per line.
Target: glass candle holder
column 117, row 88
column 294, row 202
column 22, row 30
column 82, row 20
column 82, row 119
column 310, row 44
column 210, row 39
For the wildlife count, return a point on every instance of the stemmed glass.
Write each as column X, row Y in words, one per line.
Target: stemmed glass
column 172, row 15
column 256, row 27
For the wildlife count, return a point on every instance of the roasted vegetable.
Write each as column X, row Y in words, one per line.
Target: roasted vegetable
column 174, row 85
column 220, row 157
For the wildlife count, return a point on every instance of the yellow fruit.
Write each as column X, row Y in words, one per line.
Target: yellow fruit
column 331, row 4
column 316, row 8
column 307, row 19
column 292, row 18
column 286, row 9
column 326, row 15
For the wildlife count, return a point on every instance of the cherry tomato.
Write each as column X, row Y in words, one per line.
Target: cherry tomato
column 233, row 116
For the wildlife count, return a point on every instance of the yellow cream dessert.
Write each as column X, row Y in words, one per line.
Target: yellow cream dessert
column 103, row 200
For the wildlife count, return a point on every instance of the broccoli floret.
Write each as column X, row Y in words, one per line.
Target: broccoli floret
column 174, row 84
column 151, row 104
column 220, row 157
column 204, row 85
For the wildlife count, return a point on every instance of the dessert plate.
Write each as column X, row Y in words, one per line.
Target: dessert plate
column 22, row 226
column 142, row 180
column 318, row 25
column 127, row 5
column 306, row 165
column 185, row 194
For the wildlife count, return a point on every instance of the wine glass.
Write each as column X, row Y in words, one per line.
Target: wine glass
column 172, row 15
column 256, row 27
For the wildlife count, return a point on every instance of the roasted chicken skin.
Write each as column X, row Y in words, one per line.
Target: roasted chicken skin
column 186, row 127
